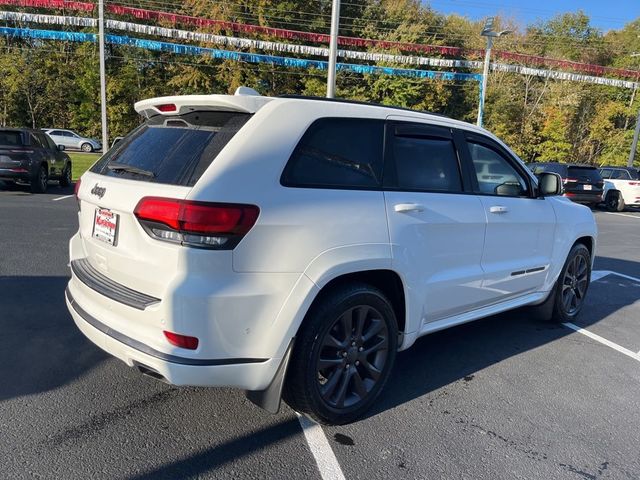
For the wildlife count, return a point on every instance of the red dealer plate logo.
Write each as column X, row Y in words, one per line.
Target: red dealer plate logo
column 105, row 226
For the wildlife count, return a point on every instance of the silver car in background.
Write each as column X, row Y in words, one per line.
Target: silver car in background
column 72, row 141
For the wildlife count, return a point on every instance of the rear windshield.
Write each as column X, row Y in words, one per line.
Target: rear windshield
column 172, row 149
column 10, row 138
column 554, row 168
column 585, row 173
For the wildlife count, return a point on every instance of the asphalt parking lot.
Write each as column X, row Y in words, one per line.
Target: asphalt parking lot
column 505, row 397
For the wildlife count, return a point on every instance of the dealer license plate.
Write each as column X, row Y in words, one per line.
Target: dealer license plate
column 587, row 187
column 105, row 226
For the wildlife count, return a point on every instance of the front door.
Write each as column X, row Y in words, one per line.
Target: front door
column 520, row 227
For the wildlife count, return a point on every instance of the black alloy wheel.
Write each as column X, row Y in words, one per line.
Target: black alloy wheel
column 343, row 354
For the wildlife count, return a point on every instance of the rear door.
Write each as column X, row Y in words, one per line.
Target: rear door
column 520, row 227
column 436, row 228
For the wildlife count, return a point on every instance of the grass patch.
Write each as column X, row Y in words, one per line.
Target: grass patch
column 81, row 162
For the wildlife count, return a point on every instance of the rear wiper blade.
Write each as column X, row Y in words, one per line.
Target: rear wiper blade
column 123, row 167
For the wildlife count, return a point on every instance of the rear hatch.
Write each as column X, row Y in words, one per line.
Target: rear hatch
column 583, row 181
column 162, row 158
column 14, row 153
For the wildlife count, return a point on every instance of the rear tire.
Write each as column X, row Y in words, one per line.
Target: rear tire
column 40, row 182
column 614, row 201
column 343, row 355
column 65, row 179
column 567, row 297
column 86, row 147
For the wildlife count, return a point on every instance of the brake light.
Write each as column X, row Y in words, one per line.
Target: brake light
column 76, row 189
column 19, row 170
column 635, row 184
column 197, row 224
column 167, row 107
column 182, row 341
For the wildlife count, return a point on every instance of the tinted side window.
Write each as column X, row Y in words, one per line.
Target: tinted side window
column 426, row 163
column 56, row 132
column 36, row 141
column 606, row 172
column 620, row 175
column 338, row 152
column 495, row 174
column 50, row 143
column 10, row 138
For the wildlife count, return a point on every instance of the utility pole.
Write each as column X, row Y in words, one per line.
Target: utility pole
column 487, row 31
column 103, row 82
column 634, row 144
column 333, row 49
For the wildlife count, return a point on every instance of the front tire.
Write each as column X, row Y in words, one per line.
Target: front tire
column 343, row 355
column 65, row 179
column 567, row 298
column 86, row 147
column 40, row 182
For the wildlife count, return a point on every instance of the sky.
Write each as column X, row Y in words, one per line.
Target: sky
column 604, row 14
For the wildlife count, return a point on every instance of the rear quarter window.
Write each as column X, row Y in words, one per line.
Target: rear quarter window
column 338, row 153
column 174, row 150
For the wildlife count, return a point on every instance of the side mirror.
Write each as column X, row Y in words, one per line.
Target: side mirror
column 549, row 184
column 61, row 148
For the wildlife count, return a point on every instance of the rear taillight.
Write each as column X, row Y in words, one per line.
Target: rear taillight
column 198, row 224
column 635, row 184
column 182, row 341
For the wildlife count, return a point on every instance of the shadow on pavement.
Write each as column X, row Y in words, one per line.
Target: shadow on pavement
column 24, row 189
column 214, row 457
column 41, row 347
column 445, row 357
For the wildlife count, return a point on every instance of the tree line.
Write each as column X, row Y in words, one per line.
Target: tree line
column 56, row 84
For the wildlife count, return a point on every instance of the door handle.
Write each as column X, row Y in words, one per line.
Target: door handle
column 498, row 209
column 408, row 207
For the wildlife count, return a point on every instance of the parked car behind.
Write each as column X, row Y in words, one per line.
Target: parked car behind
column 30, row 156
column 622, row 187
column 582, row 183
column 271, row 243
column 73, row 141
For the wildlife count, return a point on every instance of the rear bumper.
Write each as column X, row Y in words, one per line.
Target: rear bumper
column 584, row 197
column 9, row 174
column 245, row 373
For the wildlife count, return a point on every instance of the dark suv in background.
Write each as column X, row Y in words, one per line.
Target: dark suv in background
column 30, row 156
column 582, row 183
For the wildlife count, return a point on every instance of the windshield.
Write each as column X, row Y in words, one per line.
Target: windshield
column 172, row 149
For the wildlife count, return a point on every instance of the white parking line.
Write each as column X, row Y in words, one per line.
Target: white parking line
column 602, row 340
column 321, row 450
column 61, row 198
column 623, row 215
column 598, row 274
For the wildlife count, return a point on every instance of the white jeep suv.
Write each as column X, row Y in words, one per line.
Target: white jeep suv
column 291, row 246
column 621, row 188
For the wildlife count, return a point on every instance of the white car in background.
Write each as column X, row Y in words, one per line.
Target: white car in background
column 72, row 141
column 294, row 245
column 626, row 180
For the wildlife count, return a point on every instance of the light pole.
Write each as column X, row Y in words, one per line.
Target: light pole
column 488, row 32
column 634, row 144
column 333, row 49
column 103, row 83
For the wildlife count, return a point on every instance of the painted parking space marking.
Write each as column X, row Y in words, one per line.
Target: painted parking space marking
column 61, row 198
column 595, row 276
column 319, row 445
column 623, row 215
column 598, row 274
column 603, row 340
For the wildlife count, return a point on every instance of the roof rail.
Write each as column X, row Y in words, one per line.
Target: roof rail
column 358, row 102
